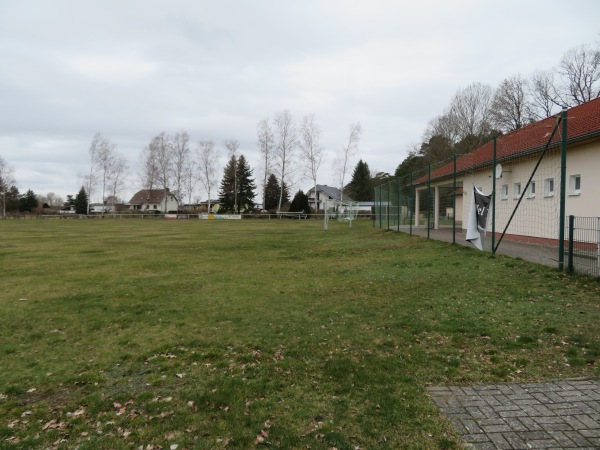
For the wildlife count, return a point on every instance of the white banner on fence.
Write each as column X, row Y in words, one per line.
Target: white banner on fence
column 478, row 215
column 220, row 216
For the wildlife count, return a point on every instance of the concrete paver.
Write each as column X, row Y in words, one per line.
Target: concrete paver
column 560, row 414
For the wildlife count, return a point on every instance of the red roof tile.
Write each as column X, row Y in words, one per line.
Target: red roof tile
column 583, row 121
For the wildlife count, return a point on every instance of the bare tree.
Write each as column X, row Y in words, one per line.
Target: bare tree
column 191, row 177
column 580, row 71
column 542, row 93
column 266, row 142
column 118, row 175
column 105, row 159
column 149, row 167
column 444, row 125
column 90, row 180
column 510, row 108
column 6, row 181
column 207, row 163
column 344, row 156
column 53, row 200
column 310, row 149
column 470, row 110
column 164, row 158
column 286, row 140
column 181, row 159
column 232, row 146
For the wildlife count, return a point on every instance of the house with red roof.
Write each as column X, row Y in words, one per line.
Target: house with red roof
column 522, row 177
column 157, row 200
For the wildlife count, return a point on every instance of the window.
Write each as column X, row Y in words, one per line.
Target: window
column 516, row 190
column 504, row 192
column 574, row 184
column 548, row 187
column 531, row 190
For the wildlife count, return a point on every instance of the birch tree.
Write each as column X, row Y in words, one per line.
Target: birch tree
column 118, row 176
column 232, row 146
column 311, row 150
column 344, row 156
column 266, row 142
column 103, row 166
column 181, row 155
column 207, row 165
column 6, row 181
column 149, row 167
column 286, row 140
column 90, row 179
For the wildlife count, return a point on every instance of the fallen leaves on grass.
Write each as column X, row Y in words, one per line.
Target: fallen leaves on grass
column 54, row 425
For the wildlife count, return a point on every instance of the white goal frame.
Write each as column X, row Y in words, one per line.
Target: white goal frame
column 342, row 210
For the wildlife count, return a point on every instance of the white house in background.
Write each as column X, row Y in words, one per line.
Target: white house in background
column 99, row 207
column 517, row 154
column 160, row 200
column 324, row 193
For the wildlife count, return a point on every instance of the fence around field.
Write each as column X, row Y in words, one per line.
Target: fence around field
column 583, row 249
column 128, row 216
column 530, row 190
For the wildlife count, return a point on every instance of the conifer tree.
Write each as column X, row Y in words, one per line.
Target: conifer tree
column 28, row 201
column 237, row 174
column 227, row 188
column 300, row 203
column 360, row 187
column 271, row 193
column 81, row 201
column 246, row 186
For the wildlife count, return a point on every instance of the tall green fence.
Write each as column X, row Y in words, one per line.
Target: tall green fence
column 526, row 179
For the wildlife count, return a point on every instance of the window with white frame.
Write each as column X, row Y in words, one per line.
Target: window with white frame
column 504, row 192
column 548, row 187
column 575, row 184
column 516, row 190
column 530, row 193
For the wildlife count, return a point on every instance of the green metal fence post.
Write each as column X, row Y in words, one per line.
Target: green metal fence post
column 454, row 204
column 494, row 198
column 428, row 196
column 398, row 187
column 380, row 208
column 563, row 174
column 388, row 205
column 570, row 257
column 410, row 199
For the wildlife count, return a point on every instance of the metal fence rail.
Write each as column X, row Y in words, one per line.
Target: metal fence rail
column 584, row 245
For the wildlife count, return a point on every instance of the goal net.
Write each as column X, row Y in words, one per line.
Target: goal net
column 342, row 210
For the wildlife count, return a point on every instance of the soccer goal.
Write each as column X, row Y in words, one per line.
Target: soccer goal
column 342, row 210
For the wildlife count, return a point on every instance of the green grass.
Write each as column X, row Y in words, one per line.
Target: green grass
column 128, row 333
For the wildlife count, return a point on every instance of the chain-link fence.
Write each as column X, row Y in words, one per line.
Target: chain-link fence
column 525, row 175
column 583, row 249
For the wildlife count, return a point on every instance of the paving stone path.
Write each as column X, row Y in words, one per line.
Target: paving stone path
column 561, row 414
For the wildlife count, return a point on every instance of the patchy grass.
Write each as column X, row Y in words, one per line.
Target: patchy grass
column 120, row 334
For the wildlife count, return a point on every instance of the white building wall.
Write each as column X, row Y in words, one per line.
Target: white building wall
column 538, row 213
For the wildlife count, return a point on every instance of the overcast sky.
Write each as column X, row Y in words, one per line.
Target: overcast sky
column 131, row 69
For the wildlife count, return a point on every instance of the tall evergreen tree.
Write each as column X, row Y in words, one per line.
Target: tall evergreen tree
column 237, row 172
column 246, row 186
column 81, row 201
column 272, row 189
column 300, row 203
column 360, row 188
column 227, row 188
column 28, row 201
column 12, row 199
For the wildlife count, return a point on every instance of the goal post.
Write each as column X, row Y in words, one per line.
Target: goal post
column 342, row 210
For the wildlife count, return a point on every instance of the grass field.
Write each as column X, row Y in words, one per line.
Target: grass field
column 229, row 334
